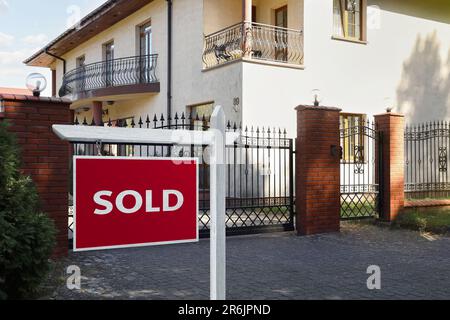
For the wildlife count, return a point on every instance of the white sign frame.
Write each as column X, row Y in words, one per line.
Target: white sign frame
column 75, row 158
column 217, row 138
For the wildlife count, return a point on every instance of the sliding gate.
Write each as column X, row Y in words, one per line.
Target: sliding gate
column 361, row 166
column 259, row 173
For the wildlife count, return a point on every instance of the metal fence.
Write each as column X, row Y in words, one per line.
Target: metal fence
column 360, row 178
column 259, row 171
column 264, row 42
column 427, row 161
column 113, row 73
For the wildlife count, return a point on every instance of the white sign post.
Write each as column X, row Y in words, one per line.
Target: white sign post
column 216, row 139
column 217, row 194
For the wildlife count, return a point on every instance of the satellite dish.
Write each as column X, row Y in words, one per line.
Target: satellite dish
column 37, row 83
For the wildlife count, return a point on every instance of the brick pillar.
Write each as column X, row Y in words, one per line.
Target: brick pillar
column 44, row 156
column 318, row 170
column 392, row 127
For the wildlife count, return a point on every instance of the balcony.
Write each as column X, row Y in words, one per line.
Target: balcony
column 253, row 41
column 132, row 75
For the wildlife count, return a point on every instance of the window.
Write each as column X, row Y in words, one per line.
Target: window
column 145, row 39
column 201, row 117
column 349, row 18
column 81, row 83
column 108, row 53
column 81, row 61
column 353, row 141
column 145, row 50
column 120, row 150
column 203, row 112
column 281, row 21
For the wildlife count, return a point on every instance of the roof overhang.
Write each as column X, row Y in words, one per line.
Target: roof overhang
column 102, row 18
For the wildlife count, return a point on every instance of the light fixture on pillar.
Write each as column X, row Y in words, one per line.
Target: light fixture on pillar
column 388, row 102
column 317, row 97
column 37, row 83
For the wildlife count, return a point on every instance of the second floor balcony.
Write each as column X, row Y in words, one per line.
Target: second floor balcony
column 132, row 75
column 254, row 41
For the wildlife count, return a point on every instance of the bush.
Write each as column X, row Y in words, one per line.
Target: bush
column 431, row 219
column 27, row 236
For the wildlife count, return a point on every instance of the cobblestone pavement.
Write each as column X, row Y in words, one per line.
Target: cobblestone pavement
column 274, row 266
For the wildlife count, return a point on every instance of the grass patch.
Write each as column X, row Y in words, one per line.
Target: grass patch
column 436, row 220
column 356, row 209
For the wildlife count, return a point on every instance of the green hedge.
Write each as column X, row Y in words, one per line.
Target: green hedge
column 27, row 236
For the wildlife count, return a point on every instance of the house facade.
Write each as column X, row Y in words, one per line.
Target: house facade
column 258, row 59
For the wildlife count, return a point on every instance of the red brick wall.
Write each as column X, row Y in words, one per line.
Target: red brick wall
column 44, row 156
column 318, row 170
column 392, row 127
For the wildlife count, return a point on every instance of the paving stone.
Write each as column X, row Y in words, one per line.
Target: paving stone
column 273, row 266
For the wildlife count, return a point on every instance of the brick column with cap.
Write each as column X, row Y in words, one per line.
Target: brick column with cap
column 318, row 170
column 45, row 157
column 392, row 128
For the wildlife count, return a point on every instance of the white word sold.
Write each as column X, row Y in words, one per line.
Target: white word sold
column 104, row 199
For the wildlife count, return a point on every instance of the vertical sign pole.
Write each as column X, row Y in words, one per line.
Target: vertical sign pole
column 217, row 198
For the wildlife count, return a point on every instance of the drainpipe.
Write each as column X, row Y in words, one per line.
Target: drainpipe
column 56, row 57
column 64, row 68
column 169, row 59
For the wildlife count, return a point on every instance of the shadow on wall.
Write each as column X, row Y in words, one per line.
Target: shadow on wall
column 423, row 93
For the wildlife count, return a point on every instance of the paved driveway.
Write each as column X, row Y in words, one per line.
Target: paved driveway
column 274, row 266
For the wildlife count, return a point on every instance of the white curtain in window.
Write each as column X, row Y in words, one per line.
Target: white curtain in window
column 338, row 29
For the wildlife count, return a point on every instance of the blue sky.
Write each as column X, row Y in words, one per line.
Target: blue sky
column 26, row 26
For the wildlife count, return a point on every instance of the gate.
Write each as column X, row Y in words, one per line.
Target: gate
column 361, row 165
column 259, row 172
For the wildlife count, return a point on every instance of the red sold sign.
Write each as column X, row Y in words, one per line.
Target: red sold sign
column 129, row 202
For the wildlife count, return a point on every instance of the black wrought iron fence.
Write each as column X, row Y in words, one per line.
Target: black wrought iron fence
column 427, row 161
column 259, row 171
column 113, row 73
column 361, row 166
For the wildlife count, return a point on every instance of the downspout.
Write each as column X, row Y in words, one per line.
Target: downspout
column 58, row 58
column 61, row 92
column 169, row 59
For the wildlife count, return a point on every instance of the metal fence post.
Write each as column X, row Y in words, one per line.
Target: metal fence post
column 291, row 181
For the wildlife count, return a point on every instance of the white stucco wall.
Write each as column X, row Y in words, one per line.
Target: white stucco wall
column 220, row 14
column 265, row 12
column 396, row 63
column 406, row 59
column 125, row 39
column 190, row 84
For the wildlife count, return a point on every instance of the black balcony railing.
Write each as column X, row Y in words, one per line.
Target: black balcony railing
column 113, row 73
column 255, row 41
